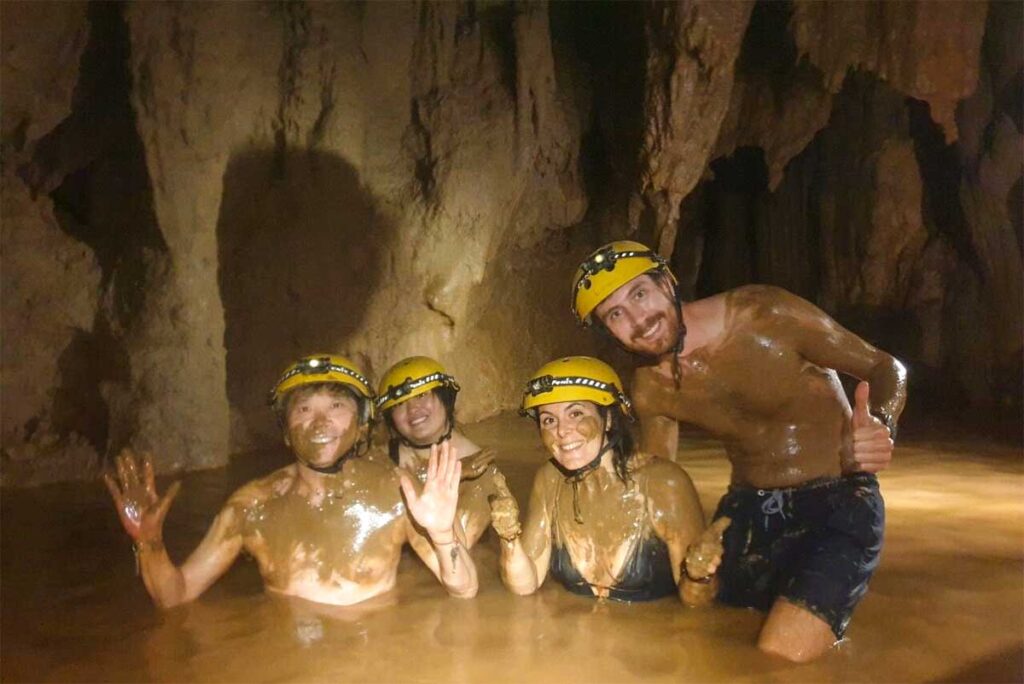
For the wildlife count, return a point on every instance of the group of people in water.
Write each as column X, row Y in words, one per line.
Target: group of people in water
column 798, row 533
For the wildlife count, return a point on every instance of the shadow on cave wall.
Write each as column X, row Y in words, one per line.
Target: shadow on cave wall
column 300, row 246
column 93, row 167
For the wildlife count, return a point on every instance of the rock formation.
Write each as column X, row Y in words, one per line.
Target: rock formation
column 196, row 193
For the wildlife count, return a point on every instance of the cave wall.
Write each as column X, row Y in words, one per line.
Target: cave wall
column 50, row 280
column 196, row 193
column 896, row 217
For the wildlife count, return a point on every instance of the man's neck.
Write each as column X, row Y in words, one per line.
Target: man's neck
column 313, row 480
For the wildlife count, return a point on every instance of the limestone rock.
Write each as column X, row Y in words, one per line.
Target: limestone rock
column 49, row 292
column 692, row 47
column 927, row 51
column 41, row 45
column 357, row 171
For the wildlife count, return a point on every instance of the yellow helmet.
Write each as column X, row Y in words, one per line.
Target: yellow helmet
column 575, row 378
column 409, row 378
column 608, row 269
column 319, row 368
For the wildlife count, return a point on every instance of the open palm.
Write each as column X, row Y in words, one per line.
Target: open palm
column 433, row 508
column 141, row 509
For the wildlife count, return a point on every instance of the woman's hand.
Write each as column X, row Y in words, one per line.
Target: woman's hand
column 433, row 508
column 141, row 509
column 704, row 556
column 504, row 510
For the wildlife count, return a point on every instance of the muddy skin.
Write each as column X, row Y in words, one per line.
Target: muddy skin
column 337, row 544
column 746, row 377
column 328, row 528
column 478, row 474
column 618, row 519
column 598, row 534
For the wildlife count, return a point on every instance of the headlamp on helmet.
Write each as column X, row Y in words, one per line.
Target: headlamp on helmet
column 412, row 377
column 575, row 378
column 608, row 269
column 326, row 368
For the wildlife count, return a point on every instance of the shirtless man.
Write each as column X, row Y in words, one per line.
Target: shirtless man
column 416, row 398
column 328, row 528
column 756, row 367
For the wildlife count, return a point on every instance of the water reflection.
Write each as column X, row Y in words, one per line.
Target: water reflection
column 945, row 604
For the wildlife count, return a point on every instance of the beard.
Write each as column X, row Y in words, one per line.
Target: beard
column 664, row 340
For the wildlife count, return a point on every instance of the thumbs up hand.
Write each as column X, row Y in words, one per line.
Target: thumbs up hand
column 872, row 443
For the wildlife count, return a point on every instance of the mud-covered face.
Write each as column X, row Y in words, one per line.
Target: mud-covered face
column 321, row 425
column 571, row 432
column 422, row 419
column 640, row 315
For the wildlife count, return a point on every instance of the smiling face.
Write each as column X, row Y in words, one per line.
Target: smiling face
column 422, row 419
column 640, row 315
column 321, row 424
column 571, row 431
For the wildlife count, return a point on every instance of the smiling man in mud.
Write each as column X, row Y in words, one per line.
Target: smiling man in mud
column 328, row 528
column 756, row 367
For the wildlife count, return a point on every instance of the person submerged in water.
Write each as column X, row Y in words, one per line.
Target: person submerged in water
column 603, row 519
column 756, row 367
column 328, row 528
column 416, row 399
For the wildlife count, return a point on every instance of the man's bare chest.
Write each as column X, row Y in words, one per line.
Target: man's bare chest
column 746, row 379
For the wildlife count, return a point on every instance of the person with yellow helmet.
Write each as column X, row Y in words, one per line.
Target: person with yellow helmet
column 757, row 367
column 605, row 520
column 416, row 400
column 327, row 528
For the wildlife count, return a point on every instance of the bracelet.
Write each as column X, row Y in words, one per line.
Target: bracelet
column 696, row 580
column 139, row 546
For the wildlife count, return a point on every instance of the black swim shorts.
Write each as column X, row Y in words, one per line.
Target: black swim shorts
column 817, row 545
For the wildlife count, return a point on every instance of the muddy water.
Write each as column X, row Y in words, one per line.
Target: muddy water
column 946, row 605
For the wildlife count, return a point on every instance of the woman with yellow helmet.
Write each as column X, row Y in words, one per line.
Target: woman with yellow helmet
column 416, row 399
column 604, row 519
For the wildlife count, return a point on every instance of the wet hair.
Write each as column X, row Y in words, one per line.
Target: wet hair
column 447, row 397
column 620, row 439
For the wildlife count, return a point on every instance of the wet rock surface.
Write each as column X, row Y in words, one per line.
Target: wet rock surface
column 194, row 194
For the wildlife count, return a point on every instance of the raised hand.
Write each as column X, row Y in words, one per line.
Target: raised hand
column 504, row 510
column 433, row 508
column 141, row 509
column 872, row 443
column 704, row 555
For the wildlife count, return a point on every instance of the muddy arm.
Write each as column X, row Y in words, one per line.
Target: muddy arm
column 142, row 512
column 448, row 558
column 678, row 520
column 823, row 342
column 216, row 552
column 432, row 508
column 524, row 560
column 659, row 435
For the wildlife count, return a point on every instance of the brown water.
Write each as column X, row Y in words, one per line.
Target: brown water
column 947, row 603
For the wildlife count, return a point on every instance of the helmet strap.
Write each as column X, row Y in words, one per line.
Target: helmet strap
column 576, row 475
column 441, row 440
column 677, row 372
